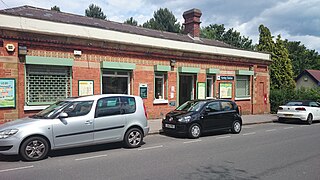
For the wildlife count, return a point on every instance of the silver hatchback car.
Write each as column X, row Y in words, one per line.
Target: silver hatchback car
column 76, row 122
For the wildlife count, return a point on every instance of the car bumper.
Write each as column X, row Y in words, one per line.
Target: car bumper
column 9, row 146
column 146, row 130
column 301, row 116
column 178, row 128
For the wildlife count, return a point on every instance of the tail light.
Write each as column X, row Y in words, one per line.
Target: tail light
column 145, row 111
column 300, row 109
column 280, row 108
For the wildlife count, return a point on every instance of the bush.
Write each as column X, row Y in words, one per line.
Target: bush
column 280, row 97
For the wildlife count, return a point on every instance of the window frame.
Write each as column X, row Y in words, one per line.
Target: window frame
column 247, row 79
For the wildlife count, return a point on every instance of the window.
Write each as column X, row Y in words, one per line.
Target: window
column 242, row 86
column 128, row 105
column 210, row 86
column 226, row 106
column 108, row 106
column 47, row 84
column 78, row 108
column 114, row 82
column 214, row 106
column 159, row 86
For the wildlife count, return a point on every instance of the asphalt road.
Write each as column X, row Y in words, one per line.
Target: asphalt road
column 265, row 151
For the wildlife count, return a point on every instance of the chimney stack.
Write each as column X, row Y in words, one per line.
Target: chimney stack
column 192, row 22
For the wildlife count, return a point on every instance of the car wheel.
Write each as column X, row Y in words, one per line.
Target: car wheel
column 194, row 131
column 34, row 148
column 236, row 127
column 133, row 138
column 309, row 119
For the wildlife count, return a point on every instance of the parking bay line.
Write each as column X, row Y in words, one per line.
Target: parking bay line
column 246, row 134
column 153, row 147
column 270, row 130
column 187, row 142
column 14, row 169
column 91, row 157
column 288, row 128
column 223, row 137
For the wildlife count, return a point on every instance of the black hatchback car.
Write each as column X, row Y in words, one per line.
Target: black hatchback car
column 197, row 116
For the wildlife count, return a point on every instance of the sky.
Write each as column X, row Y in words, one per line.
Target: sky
column 295, row 20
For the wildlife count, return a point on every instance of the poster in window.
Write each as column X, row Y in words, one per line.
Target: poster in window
column 85, row 87
column 143, row 91
column 201, row 90
column 225, row 90
column 7, row 93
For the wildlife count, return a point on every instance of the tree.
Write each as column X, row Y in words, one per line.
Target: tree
column 301, row 57
column 281, row 74
column 95, row 12
column 163, row 20
column 232, row 37
column 55, row 8
column 131, row 21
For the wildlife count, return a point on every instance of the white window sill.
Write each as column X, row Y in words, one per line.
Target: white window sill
column 242, row 98
column 34, row 108
column 160, row 101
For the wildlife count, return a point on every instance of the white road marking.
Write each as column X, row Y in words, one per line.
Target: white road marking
column 303, row 126
column 91, row 157
column 198, row 140
column 14, row 169
column 288, row 128
column 269, row 130
column 222, row 137
column 246, row 134
column 153, row 147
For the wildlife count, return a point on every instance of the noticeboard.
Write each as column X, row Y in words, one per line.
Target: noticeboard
column 143, row 91
column 7, row 93
column 225, row 90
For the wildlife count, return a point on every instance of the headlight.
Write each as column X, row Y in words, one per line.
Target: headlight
column 7, row 133
column 185, row 119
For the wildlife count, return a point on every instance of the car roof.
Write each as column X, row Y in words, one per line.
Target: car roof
column 96, row 97
column 210, row 100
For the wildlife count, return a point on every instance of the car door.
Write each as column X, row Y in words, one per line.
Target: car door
column 212, row 118
column 77, row 128
column 315, row 110
column 227, row 114
column 109, row 123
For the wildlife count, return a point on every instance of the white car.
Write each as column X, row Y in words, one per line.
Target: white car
column 306, row 111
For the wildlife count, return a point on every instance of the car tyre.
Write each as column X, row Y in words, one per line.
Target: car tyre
column 309, row 119
column 34, row 148
column 236, row 127
column 194, row 131
column 133, row 138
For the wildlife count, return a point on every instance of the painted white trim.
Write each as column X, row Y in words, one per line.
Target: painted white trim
column 55, row 28
column 160, row 101
column 242, row 98
column 34, row 108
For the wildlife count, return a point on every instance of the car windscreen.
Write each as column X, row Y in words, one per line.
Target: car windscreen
column 191, row 106
column 297, row 103
column 51, row 111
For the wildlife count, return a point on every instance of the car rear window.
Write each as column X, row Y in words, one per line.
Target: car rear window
column 297, row 103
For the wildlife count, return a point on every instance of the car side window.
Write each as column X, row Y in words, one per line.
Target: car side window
column 214, row 106
column 313, row 104
column 226, row 106
column 78, row 108
column 108, row 106
column 128, row 105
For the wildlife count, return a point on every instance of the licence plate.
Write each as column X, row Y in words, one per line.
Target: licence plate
column 171, row 126
column 288, row 114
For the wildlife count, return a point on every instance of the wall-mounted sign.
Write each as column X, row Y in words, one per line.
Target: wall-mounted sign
column 7, row 93
column 225, row 78
column 201, row 90
column 85, row 87
column 143, row 90
column 225, row 90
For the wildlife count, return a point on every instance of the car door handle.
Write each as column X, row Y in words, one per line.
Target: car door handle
column 89, row 122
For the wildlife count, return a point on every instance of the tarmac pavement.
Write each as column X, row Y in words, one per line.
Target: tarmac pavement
column 156, row 126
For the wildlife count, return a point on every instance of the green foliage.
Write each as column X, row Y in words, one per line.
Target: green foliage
column 301, row 57
column 95, row 12
column 55, row 8
column 232, row 37
column 131, row 21
column 163, row 20
column 281, row 74
column 280, row 97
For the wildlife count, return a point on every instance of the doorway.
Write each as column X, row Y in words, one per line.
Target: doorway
column 186, row 88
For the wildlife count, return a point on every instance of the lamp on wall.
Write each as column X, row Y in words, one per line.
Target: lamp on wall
column 172, row 62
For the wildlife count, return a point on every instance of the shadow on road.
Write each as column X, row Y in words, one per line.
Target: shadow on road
column 296, row 121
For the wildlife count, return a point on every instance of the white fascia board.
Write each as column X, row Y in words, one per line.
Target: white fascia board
column 62, row 29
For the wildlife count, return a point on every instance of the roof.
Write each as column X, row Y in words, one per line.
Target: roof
column 62, row 17
column 314, row 74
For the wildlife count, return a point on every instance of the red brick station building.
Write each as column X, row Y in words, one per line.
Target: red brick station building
column 46, row 56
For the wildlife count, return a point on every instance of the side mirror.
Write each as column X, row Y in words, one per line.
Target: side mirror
column 63, row 115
